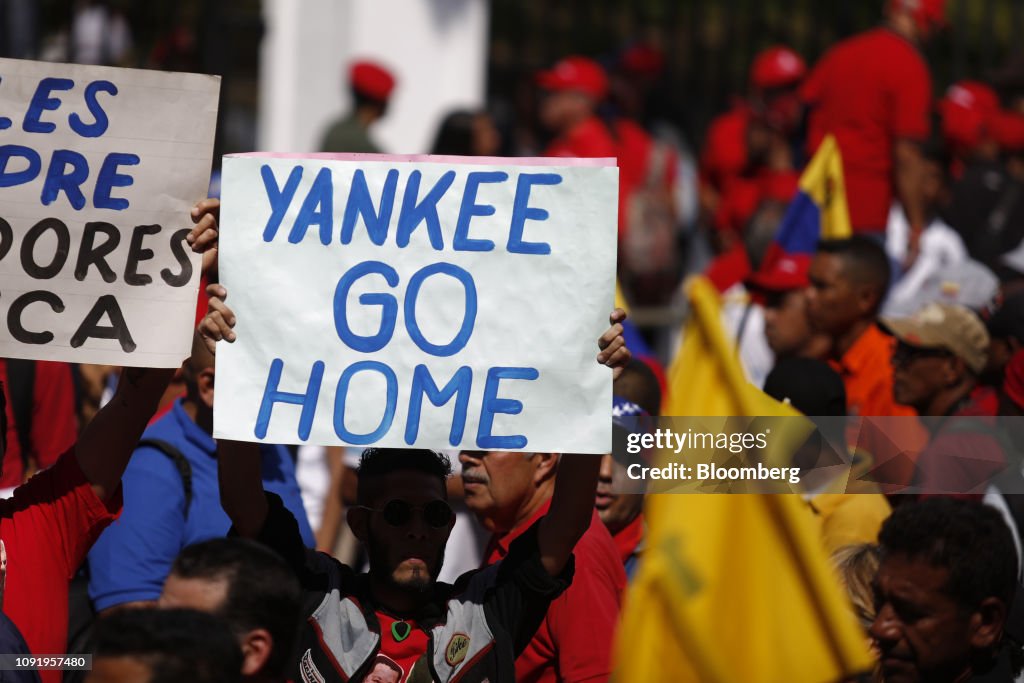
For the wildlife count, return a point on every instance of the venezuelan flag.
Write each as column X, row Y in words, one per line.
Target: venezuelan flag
column 819, row 210
column 732, row 587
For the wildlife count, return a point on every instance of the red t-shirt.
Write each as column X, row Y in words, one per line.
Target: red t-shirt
column 629, row 538
column 590, row 139
column 47, row 529
column 574, row 642
column 54, row 422
column 869, row 91
column 396, row 653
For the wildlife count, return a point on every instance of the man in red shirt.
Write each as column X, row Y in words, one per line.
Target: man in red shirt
column 47, row 528
column 637, row 397
column 874, row 93
column 572, row 90
column 748, row 158
column 570, row 93
column 509, row 492
column 732, row 151
column 51, row 522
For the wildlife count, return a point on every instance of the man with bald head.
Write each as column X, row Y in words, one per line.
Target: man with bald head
column 171, row 496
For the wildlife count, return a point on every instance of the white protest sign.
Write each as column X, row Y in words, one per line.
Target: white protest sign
column 431, row 302
column 98, row 170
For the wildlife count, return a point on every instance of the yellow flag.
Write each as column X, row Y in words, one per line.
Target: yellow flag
column 822, row 181
column 731, row 587
column 705, row 377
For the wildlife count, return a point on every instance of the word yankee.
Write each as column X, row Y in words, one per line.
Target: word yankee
column 418, row 206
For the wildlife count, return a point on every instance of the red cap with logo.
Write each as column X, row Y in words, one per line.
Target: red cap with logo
column 777, row 67
column 782, row 274
column 575, row 74
column 371, row 80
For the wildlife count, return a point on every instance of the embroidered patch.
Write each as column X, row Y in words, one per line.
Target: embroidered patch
column 308, row 670
column 457, row 648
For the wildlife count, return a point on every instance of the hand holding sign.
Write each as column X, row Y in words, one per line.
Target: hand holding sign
column 614, row 352
column 203, row 236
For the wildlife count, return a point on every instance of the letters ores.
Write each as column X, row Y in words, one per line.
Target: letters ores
column 100, row 239
column 67, row 172
column 418, row 207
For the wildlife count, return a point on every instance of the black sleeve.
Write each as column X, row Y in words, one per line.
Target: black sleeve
column 522, row 589
column 281, row 534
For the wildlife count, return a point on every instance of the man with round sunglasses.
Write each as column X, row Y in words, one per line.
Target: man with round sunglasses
column 472, row 630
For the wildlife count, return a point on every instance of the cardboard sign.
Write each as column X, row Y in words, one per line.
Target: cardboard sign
column 98, row 170
column 429, row 302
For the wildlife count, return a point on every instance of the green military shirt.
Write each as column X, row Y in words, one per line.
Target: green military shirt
column 347, row 135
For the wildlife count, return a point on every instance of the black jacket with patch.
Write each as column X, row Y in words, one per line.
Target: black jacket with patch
column 475, row 628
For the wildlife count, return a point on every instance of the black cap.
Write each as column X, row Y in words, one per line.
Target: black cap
column 811, row 386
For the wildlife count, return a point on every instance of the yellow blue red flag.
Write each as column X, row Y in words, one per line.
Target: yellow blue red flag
column 819, row 210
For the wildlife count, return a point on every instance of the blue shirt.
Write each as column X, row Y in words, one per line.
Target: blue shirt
column 133, row 556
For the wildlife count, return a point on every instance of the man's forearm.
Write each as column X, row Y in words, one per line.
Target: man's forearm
column 572, row 508
column 239, row 471
column 910, row 180
column 106, row 445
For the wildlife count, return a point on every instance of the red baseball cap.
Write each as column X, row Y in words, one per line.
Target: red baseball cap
column 967, row 109
column 782, row 274
column 371, row 80
column 777, row 67
column 576, row 74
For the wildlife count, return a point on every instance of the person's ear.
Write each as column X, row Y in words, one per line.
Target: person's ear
column 204, row 386
column 986, row 624
column 953, row 371
column 359, row 522
column 867, row 298
column 547, row 465
column 257, row 646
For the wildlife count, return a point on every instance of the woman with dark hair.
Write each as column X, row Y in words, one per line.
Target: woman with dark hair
column 467, row 133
